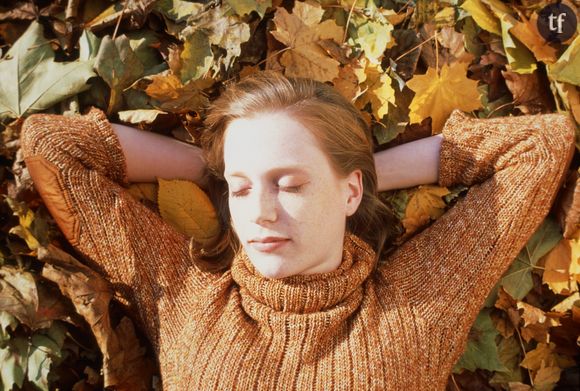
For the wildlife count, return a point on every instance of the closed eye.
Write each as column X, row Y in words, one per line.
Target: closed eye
column 287, row 189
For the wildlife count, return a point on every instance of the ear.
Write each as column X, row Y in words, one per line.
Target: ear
column 354, row 184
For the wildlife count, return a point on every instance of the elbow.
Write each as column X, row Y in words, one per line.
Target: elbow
column 32, row 134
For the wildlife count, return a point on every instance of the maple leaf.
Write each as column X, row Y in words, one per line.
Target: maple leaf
column 517, row 280
column 174, row 96
column 481, row 350
column 301, row 31
column 436, row 96
column 425, row 204
column 36, row 80
column 557, row 264
column 379, row 91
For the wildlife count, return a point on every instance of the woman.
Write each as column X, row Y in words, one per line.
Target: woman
column 304, row 299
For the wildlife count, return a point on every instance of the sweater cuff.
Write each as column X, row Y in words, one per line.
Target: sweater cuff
column 118, row 163
column 458, row 159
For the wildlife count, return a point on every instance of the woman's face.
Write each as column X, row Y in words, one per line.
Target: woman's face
column 281, row 184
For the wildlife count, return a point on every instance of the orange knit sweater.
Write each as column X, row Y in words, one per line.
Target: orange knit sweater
column 401, row 326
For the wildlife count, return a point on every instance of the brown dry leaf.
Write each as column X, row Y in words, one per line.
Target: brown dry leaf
column 529, row 92
column 454, row 43
column 347, row 83
column 33, row 304
column 426, row 203
column 436, row 96
column 300, row 32
column 504, row 300
column 568, row 205
column 545, row 355
column 125, row 365
column 546, row 378
column 176, row 97
column 502, row 323
column 557, row 269
column 531, row 314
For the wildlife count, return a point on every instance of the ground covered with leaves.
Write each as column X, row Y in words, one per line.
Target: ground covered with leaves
column 157, row 64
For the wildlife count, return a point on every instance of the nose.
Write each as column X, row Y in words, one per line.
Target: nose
column 263, row 206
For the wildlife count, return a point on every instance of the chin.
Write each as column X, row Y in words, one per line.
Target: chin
column 267, row 270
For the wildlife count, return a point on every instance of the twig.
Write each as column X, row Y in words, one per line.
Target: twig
column 119, row 20
column 414, row 47
column 348, row 20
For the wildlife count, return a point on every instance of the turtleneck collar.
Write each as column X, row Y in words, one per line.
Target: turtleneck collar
column 307, row 293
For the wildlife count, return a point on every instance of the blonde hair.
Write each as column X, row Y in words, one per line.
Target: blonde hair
column 337, row 125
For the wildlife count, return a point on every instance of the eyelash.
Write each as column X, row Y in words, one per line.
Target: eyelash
column 288, row 189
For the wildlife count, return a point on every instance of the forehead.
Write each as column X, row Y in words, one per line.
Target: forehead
column 267, row 141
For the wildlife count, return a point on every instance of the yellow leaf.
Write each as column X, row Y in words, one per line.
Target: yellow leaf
column 436, row 96
column 25, row 217
column 379, row 91
column 176, row 97
column 301, row 31
column 519, row 57
column 188, row 208
column 482, row 16
column 425, row 204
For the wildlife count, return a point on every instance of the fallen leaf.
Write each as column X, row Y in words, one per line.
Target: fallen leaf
column 119, row 66
column 125, row 365
column 517, row 280
column 425, row 204
column 38, row 81
column 436, row 96
column 185, row 206
column 481, row 350
column 300, row 32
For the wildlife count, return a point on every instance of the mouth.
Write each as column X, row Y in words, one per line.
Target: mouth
column 269, row 245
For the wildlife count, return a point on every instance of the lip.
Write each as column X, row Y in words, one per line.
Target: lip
column 268, row 245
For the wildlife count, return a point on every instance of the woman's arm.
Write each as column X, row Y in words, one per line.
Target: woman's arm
column 150, row 155
column 78, row 166
column 410, row 164
column 514, row 167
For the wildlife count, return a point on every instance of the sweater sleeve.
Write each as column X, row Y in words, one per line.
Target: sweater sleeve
column 514, row 167
column 79, row 169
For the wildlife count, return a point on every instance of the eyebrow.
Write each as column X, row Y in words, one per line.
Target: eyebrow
column 299, row 168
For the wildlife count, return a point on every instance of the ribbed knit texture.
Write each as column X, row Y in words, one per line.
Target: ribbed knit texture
column 400, row 326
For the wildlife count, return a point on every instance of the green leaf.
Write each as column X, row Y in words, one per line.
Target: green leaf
column 243, row 7
column 567, row 68
column 481, row 351
column 509, row 354
column 196, row 56
column 517, row 280
column 13, row 363
column 36, row 81
column 371, row 36
column 119, row 66
column 45, row 349
column 177, row 10
column 7, row 321
column 88, row 45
